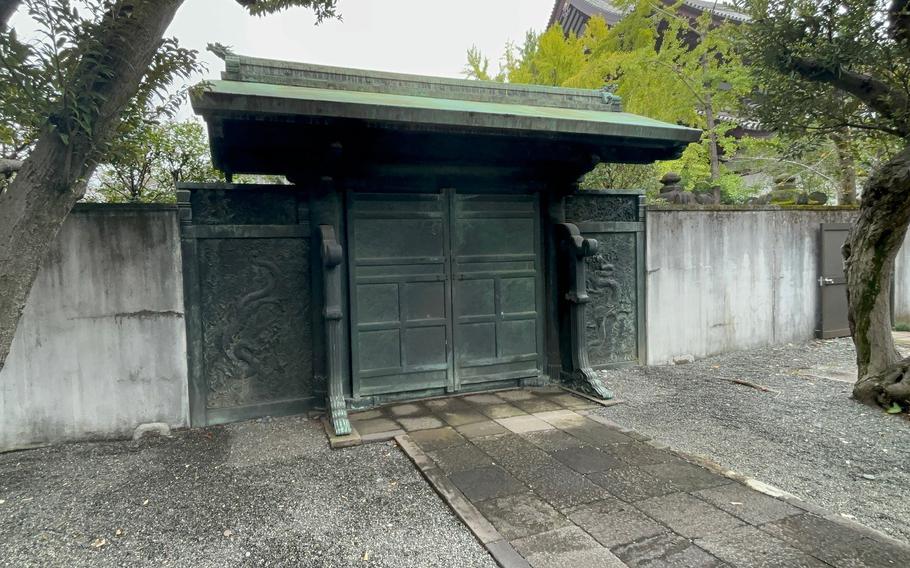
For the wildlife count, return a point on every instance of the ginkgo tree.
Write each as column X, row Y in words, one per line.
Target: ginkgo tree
column 663, row 64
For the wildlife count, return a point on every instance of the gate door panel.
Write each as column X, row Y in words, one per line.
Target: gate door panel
column 400, row 292
column 246, row 258
column 832, row 283
column 496, row 296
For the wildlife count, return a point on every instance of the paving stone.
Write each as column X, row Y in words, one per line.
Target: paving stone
column 506, row 556
column 460, row 458
column 562, row 418
column 432, row 440
column 381, row 436
column 747, row 504
column 587, row 459
column 563, row 488
column 613, row 522
column 573, row 402
column 443, row 403
column 502, row 410
column 687, row 515
column 597, row 434
column 481, row 429
column 833, row 542
column 375, row 425
column 641, row 454
column 537, row 405
column 524, row 423
column 686, row 476
column 552, row 440
column 749, row 547
column 518, row 394
column 632, row 484
column 365, row 415
column 515, row 453
column 667, row 550
column 414, row 423
column 460, row 417
column 482, row 399
column 564, row 548
column 410, row 409
column 521, row 515
column 486, row 483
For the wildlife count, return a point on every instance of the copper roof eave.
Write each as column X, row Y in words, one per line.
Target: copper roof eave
column 248, row 101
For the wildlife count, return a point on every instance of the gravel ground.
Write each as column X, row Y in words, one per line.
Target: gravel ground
column 260, row 493
column 808, row 437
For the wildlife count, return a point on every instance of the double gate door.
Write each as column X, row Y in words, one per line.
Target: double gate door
column 446, row 290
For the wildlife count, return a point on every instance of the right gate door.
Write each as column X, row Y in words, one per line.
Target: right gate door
column 832, row 283
column 497, row 293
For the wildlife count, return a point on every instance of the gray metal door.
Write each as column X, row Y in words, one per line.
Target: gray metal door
column 400, row 288
column 832, row 283
column 497, row 290
column 446, row 290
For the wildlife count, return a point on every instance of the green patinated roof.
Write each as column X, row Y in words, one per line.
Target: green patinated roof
column 251, row 97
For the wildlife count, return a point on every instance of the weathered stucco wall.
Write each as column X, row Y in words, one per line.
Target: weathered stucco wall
column 902, row 285
column 101, row 345
column 725, row 280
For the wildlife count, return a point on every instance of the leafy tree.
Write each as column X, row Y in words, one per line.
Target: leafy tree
column 665, row 66
column 147, row 162
column 63, row 97
column 828, row 65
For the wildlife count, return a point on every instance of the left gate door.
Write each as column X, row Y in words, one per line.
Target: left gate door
column 401, row 326
column 246, row 258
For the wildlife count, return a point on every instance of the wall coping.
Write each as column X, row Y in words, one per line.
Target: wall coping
column 110, row 207
column 751, row 209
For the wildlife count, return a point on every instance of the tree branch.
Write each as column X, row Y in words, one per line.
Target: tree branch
column 8, row 167
column 899, row 14
column 876, row 94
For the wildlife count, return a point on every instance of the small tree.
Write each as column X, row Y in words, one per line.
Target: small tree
column 146, row 162
column 809, row 56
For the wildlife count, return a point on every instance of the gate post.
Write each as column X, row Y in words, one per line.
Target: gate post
column 576, row 248
column 332, row 255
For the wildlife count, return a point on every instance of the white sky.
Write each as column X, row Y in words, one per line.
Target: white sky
column 428, row 37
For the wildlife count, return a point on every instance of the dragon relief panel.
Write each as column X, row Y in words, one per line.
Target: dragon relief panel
column 256, row 320
column 600, row 207
column 612, row 313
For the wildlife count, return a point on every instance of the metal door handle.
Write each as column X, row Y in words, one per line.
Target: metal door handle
column 822, row 281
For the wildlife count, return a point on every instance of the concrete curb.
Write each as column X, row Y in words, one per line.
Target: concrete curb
column 498, row 547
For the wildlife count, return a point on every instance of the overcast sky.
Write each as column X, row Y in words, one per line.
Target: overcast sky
column 428, row 37
column 410, row 36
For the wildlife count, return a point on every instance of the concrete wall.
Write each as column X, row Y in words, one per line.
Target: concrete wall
column 727, row 280
column 101, row 346
column 902, row 284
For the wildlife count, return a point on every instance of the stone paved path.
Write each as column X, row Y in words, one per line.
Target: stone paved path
column 543, row 483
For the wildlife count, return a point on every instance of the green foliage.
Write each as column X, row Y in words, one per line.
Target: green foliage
column 825, row 65
column 693, row 72
column 146, row 163
column 45, row 83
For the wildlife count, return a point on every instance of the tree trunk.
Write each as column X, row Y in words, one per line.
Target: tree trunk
column 869, row 253
column 53, row 177
column 846, row 194
column 7, row 9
